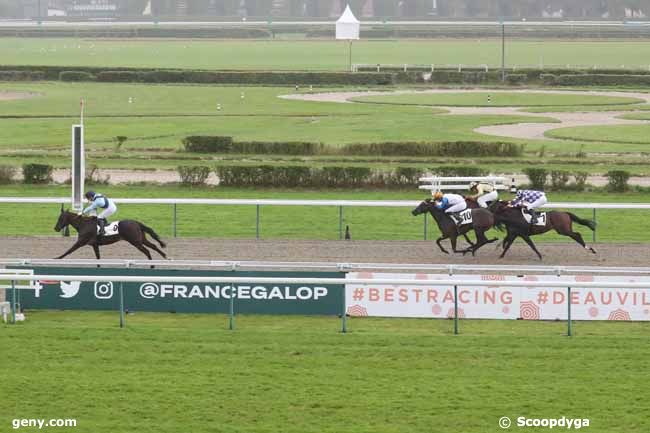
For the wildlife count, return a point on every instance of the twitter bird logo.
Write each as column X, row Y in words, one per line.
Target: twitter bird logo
column 70, row 289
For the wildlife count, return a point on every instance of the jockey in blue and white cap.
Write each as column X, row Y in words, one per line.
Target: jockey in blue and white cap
column 452, row 204
column 99, row 201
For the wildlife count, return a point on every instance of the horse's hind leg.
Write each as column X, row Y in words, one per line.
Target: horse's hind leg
column 578, row 238
column 154, row 247
column 480, row 241
column 471, row 244
column 142, row 248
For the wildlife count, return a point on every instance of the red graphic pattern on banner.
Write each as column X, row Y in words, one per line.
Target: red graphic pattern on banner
column 461, row 313
column 619, row 314
column 357, row 310
column 528, row 310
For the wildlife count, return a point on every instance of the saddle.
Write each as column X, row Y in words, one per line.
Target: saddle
column 111, row 229
column 541, row 217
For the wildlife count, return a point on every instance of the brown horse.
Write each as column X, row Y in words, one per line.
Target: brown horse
column 482, row 221
column 129, row 230
column 517, row 226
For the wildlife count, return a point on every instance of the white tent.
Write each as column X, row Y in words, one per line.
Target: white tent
column 347, row 26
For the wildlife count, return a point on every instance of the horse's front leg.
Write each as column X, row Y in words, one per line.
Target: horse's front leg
column 80, row 243
column 453, row 240
column 441, row 238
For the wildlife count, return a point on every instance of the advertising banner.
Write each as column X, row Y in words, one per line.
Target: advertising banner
column 487, row 300
column 213, row 297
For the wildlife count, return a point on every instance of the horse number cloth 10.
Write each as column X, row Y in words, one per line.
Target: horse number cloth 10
column 466, row 217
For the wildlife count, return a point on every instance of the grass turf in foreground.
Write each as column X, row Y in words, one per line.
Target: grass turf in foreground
column 172, row 373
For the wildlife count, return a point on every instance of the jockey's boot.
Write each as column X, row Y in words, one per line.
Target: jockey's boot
column 102, row 225
column 533, row 216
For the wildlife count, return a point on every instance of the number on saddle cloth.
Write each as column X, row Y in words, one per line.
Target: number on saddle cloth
column 111, row 229
column 465, row 217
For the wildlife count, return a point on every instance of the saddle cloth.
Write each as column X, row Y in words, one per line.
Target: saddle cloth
column 541, row 217
column 110, row 229
column 465, row 217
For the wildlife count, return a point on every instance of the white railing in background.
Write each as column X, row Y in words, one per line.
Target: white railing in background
column 233, row 265
column 437, row 183
column 174, row 202
column 459, row 67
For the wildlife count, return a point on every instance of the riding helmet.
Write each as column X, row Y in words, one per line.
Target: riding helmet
column 437, row 195
column 90, row 195
column 473, row 184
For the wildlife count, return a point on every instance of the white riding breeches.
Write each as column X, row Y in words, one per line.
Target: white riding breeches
column 457, row 207
column 537, row 203
column 110, row 210
column 490, row 196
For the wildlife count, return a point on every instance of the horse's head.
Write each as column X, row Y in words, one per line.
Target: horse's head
column 498, row 206
column 61, row 222
column 65, row 218
column 423, row 207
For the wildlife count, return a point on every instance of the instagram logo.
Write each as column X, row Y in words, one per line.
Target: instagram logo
column 103, row 290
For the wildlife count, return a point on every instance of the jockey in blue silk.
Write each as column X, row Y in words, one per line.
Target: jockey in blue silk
column 452, row 204
column 531, row 200
column 100, row 202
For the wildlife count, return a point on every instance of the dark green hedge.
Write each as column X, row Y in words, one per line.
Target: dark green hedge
column 330, row 177
column 267, row 78
column 22, row 75
column 602, row 80
column 208, row 144
column 617, row 180
column 458, row 171
column 465, row 77
column 37, row 173
column 76, row 76
column 516, row 79
column 451, row 148
column 225, row 144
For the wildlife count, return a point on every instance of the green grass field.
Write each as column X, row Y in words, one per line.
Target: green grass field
column 176, row 372
column 497, row 99
column 160, row 116
column 323, row 54
column 632, row 134
column 295, row 222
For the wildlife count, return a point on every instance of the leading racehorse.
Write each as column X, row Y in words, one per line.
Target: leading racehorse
column 129, row 230
column 517, row 225
column 482, row 221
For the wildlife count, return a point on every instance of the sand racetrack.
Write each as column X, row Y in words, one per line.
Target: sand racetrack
column 425, row 252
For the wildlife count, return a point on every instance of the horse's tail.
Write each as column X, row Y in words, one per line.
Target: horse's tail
column 153, row 234
column 582, row 222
